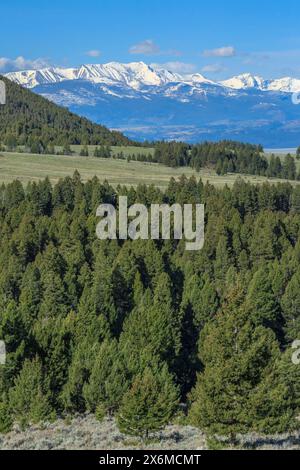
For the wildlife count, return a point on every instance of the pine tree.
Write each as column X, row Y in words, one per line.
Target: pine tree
column 6, row 421
column 263, row 306
column 67, row 149
column 289, row 168
column 108, row 381
column 265, row 242
column 31, row 295
column 290, row 303
column 13, row 333
column 84, row 152
column 234, row 393
column 84, row 354
column 288, row 369
column 222, row 262
column 203, row 298
column 295, row 200
column 29, row 398
column 150, row 403
column 152, row 329
column 103, row 291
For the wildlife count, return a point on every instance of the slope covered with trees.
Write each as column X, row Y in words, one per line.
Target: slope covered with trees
column 31, row 120
column 133, row 328
column 226, row 157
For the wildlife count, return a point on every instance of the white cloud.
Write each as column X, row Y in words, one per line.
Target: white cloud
column 213, row 68
column 93, row 53
column 20, row 63
column 147, row 47
column 177, row 67
column 226, row 51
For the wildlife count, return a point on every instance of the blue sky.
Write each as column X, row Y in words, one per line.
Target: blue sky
column 218, row 38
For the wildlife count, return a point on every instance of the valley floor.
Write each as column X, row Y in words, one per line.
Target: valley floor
column 86, row 433
column 31, row 167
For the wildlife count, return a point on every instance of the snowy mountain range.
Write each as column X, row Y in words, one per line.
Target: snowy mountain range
column 153, row 103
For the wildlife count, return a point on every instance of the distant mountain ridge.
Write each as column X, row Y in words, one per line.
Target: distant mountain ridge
column 134, row 75
column 246, row 81
column 148, row 102
column 139, row 74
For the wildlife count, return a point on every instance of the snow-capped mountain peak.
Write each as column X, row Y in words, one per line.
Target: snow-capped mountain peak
column 133, row 75
column 138, row 75
column 286, row 84
column 245, row 81
column 197, row 78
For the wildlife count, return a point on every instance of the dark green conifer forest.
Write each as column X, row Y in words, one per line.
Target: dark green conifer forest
column 142, row 330
column 30, row 120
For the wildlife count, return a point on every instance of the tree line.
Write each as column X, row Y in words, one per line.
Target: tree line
column 137, row 329
column 227, row 157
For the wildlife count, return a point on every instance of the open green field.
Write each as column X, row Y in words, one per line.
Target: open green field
column 30, row 167
column 115, row 150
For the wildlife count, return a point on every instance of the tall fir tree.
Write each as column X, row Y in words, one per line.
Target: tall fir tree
column 233, row 394
column 150, row 403
column 29, row 397
column 108, row 381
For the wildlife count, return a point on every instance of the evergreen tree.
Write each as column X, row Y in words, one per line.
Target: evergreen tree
column 290, row 303
column 295, row 200
column 289, row 168
column 263, row 306
column 83, row 358
column 265, row 243
column 222, row 262
column 203, row 298
column 108, row 381
column 84, row 152
column 5, row 418
column 233, row 394
column 150, row 403
column 288, row 370
column 151, row 330
column 29, row 398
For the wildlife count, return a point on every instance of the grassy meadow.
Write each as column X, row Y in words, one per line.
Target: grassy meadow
column 115, row 150
column 31, row 167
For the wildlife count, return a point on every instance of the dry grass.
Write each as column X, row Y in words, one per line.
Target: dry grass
column 29, row 167
column 86, row 433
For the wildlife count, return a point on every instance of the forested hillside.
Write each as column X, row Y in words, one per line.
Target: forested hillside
column 134, row 328
column 226, row 157
column 29, row 119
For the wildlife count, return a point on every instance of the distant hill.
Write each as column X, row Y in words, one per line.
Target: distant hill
column 28, row 117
